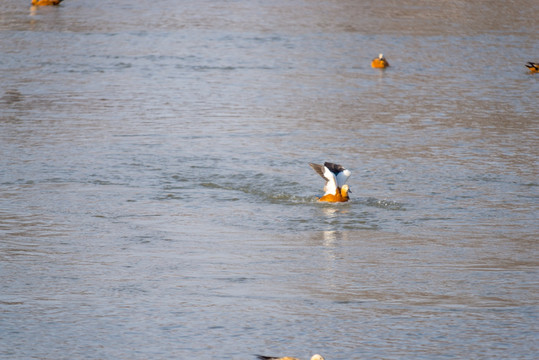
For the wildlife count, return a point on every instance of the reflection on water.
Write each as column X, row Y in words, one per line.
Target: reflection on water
column 330, row 237
column 156, row 199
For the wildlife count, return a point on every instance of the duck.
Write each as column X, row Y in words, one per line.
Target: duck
column 335, row 175
column 533, row 66
column 45, row 2
column 314, row 357
column 380, row 62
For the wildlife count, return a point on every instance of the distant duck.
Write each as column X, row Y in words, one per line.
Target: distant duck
column 534, row 67
column 335, row 176
column 261, row 357
column 45, row 2
column 380, row 62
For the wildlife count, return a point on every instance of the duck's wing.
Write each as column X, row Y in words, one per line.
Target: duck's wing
column 318, row 168
column 329, row 176
column 340, row 172
column 262, row 357
column 342, row 177
column 335, row 168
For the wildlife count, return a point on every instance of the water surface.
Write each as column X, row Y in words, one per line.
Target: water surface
column 156, row 199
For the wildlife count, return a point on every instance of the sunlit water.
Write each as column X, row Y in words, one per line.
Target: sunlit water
column 156, row 200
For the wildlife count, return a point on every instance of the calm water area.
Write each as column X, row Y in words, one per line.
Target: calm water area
column 156, row 200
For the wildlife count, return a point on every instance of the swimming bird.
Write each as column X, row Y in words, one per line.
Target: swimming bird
column 335, row 176
column 380, row 62
column 314, row 357
column 45, row 2
column 534, row 67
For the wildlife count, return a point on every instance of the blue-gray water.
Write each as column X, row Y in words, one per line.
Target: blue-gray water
column 156, row 200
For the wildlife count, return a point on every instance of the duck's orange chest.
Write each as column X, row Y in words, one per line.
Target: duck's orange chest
column 379, row 63
column 45, row 2
column 337, row 197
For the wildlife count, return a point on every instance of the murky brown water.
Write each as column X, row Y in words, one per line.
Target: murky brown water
column 156, row 199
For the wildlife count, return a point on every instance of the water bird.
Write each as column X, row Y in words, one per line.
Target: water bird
column 380, row 62
column 335, row 176
column 45, row 2
column 314, row 357
column 534, row 67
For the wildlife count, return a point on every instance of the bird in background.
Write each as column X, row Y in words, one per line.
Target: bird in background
column 45, row 2
column 533, row 66
column 314, row 357
column 380, row 62
column 335, row 175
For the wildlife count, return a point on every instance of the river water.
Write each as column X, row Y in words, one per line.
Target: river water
column 156, row 200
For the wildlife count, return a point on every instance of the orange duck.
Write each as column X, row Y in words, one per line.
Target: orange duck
column 335, row 176
column 261, row 357
column 45, row 2
column 534, row 67
column 380, row 62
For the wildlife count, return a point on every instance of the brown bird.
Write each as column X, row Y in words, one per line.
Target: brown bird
column 261, row 357
column 380, row 62
column 45, row 2
column 534, row 67
column 335, row 176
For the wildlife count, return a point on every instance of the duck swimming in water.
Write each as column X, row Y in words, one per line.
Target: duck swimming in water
column 45, row 2
column 380, row 62
column 314, row 357
column 335, row 176
column 534, row 67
